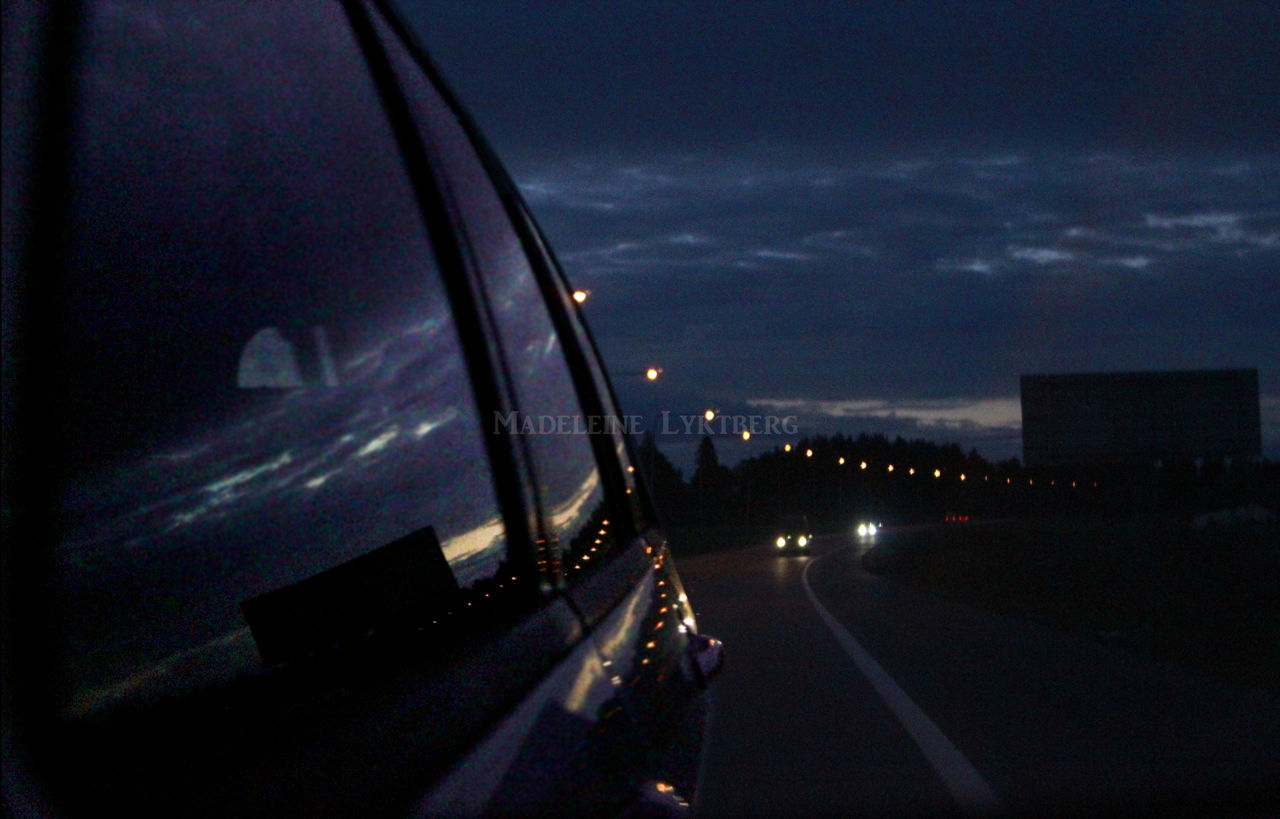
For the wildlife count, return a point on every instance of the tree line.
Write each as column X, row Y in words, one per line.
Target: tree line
column 838, row 480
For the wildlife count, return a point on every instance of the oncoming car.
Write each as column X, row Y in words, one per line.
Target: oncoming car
column 269, row 548
column 793, row 534
column 867, row 529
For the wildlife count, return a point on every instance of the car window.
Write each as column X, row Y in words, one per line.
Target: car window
column 271, row 438
column 642, row 516
column 578, row 528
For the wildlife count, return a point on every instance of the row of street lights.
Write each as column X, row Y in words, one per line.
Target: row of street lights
column 937, row 473
column 652, row 374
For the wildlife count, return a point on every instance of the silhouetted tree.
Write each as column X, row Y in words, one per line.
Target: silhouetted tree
column 712, row 483
column 666, row 483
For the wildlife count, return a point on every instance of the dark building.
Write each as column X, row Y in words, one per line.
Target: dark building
column 1095, row 418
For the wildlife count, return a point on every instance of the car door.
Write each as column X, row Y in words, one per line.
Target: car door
column 595, row 540
column 276, row 557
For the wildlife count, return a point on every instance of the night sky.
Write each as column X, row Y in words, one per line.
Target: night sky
column 876, row 216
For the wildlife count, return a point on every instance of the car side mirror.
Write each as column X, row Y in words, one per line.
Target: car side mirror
column 708, row 657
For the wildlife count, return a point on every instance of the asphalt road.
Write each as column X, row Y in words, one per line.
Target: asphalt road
column 905, row 704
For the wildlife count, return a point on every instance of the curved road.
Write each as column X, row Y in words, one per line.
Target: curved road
column 846, row 693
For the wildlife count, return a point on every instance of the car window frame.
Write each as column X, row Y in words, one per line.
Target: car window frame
column 552, row 286
column 511, row 472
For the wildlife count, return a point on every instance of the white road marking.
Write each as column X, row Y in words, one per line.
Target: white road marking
column 970, row 790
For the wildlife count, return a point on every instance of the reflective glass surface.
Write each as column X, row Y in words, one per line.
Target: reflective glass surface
column 262, row 375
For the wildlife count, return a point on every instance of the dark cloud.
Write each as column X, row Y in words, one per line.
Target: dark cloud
column 893, row 202
column 921, row 277
column 544, row 77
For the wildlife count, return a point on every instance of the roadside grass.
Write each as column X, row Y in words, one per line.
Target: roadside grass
column 1209, row 598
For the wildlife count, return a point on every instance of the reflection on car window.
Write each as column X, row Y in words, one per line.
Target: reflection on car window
column 579, row 528
column 640, row 516
column 263, row 383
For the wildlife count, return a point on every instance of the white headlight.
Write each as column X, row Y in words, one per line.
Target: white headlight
column 803, row 541
column 862, row 530
column 782, row 541
column 871, row 528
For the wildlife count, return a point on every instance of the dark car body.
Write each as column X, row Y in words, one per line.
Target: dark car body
column 275, row 541
column 793, row 535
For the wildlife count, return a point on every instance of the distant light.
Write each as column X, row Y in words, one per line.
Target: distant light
column 962, row 476
column 808, row 453
column 652, row 373
column 746, row 435
column 863, row 465
column 937, row 473
column 782, row 541
column 580, row 296
column 786, row 448
column 890, row 467
column 842, row 461
column 709, row 414
column 911, row 471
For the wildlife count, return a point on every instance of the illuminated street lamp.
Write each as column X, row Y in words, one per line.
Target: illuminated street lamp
column 937, row 473
column 746, row 435
column 841, row 461
column 581, row 295
column 786, row 448
column 709, row 415
column 648, row 373
column 862, row 465
column 808, row 453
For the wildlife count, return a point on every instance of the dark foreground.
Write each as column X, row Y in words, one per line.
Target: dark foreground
column 1206, row 596
column 1039, row 720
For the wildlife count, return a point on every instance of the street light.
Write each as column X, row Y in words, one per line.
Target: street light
column 647, row 373
column 581, row 295
column 709, row 415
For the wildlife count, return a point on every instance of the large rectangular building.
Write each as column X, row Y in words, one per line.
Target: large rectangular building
column 1093, row 418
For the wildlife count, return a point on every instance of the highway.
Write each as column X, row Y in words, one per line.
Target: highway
column 846, row 693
